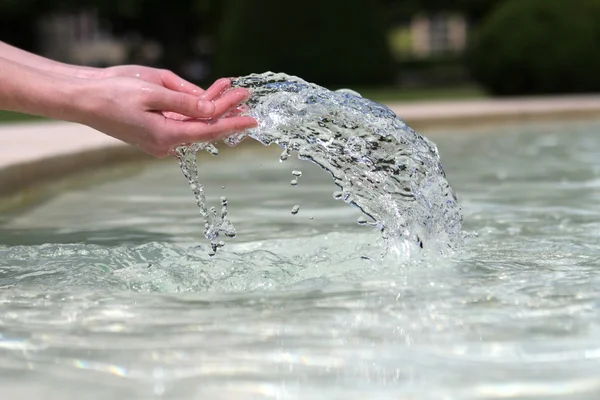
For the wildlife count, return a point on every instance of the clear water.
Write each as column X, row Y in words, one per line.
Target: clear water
column 380, row 165
column 108, row 295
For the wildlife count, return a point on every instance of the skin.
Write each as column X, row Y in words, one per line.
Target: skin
column 150, row 108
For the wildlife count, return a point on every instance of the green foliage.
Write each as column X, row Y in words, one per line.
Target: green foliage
column 539, row 46
column 10, row 117
column 403, row 10
column 333, row 42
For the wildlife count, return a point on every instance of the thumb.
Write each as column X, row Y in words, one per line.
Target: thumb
column 181, row 103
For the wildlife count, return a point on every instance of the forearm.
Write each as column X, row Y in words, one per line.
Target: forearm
column 32, row 91
column 45, row 64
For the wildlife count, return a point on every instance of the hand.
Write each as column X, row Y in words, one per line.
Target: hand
column 157, row 76
column 168, row 79
column 148, row 114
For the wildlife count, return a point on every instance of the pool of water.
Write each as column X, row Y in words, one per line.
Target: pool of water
column 107, row 290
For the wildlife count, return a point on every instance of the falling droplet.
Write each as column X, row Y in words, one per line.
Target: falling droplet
column 294, row 182
column 297, row 173
column 349, row 91
column 284, row 156
column 295, row 209
column 223, row 201
column 362, row 221
column 222, row 187
column 338, row 195
column 311, row 218
column 212, row 149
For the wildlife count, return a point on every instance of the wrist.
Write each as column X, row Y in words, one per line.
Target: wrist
column 76, row 71
column 88, row 73
column 60, row 97
column 76, row 100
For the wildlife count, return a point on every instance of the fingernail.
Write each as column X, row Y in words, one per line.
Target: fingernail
column 206, row 108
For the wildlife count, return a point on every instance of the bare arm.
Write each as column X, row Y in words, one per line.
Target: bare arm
column 45, row 64
column 29, row 90
column 130, row 109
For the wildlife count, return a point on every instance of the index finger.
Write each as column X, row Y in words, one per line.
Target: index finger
column 217, row 89
column 174, row 82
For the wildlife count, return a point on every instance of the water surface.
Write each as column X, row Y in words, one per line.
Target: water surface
column 113, row 295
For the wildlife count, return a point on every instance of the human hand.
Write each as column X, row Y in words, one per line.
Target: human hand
column 162, row 77
column 148, row 114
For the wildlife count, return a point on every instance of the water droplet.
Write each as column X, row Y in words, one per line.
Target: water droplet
column 212, row 149
column 362, row 221
column 297, row 173
column 311, row 218
column 349, row 91
column 294, row 182
column 230, row 234
column 222, row 187
column 338, row 195
column 295, row 209
column 223, row 201
column 284, row 156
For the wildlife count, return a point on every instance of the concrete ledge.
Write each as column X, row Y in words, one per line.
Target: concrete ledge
column 32, row 153
column 424, row 115
column 37, row 152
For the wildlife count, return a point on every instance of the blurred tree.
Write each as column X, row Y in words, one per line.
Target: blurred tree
column 174, row 25
column 17, row 22
column 539, row 46
column 403, row 10
column 333, row 42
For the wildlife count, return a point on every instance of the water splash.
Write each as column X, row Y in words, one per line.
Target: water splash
column 383, row 167
column 214, row 224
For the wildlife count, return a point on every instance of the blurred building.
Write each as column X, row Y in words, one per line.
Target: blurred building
column 83, row 38
column 429, row 49
column 438, row 34
column 428, row 35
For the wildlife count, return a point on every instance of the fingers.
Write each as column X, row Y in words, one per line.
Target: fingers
column 170, row 101
column 165, row 134
column 177, row 116
column 229, row 101
column 225, row 100
column 162, row 99
column 197, row 131
column 216, row 89
column 174, row 82
column 240, row 109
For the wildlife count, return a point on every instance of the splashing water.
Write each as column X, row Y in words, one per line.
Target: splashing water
column 383, row 167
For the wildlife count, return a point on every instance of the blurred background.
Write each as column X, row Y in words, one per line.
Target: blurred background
column 387, row 49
